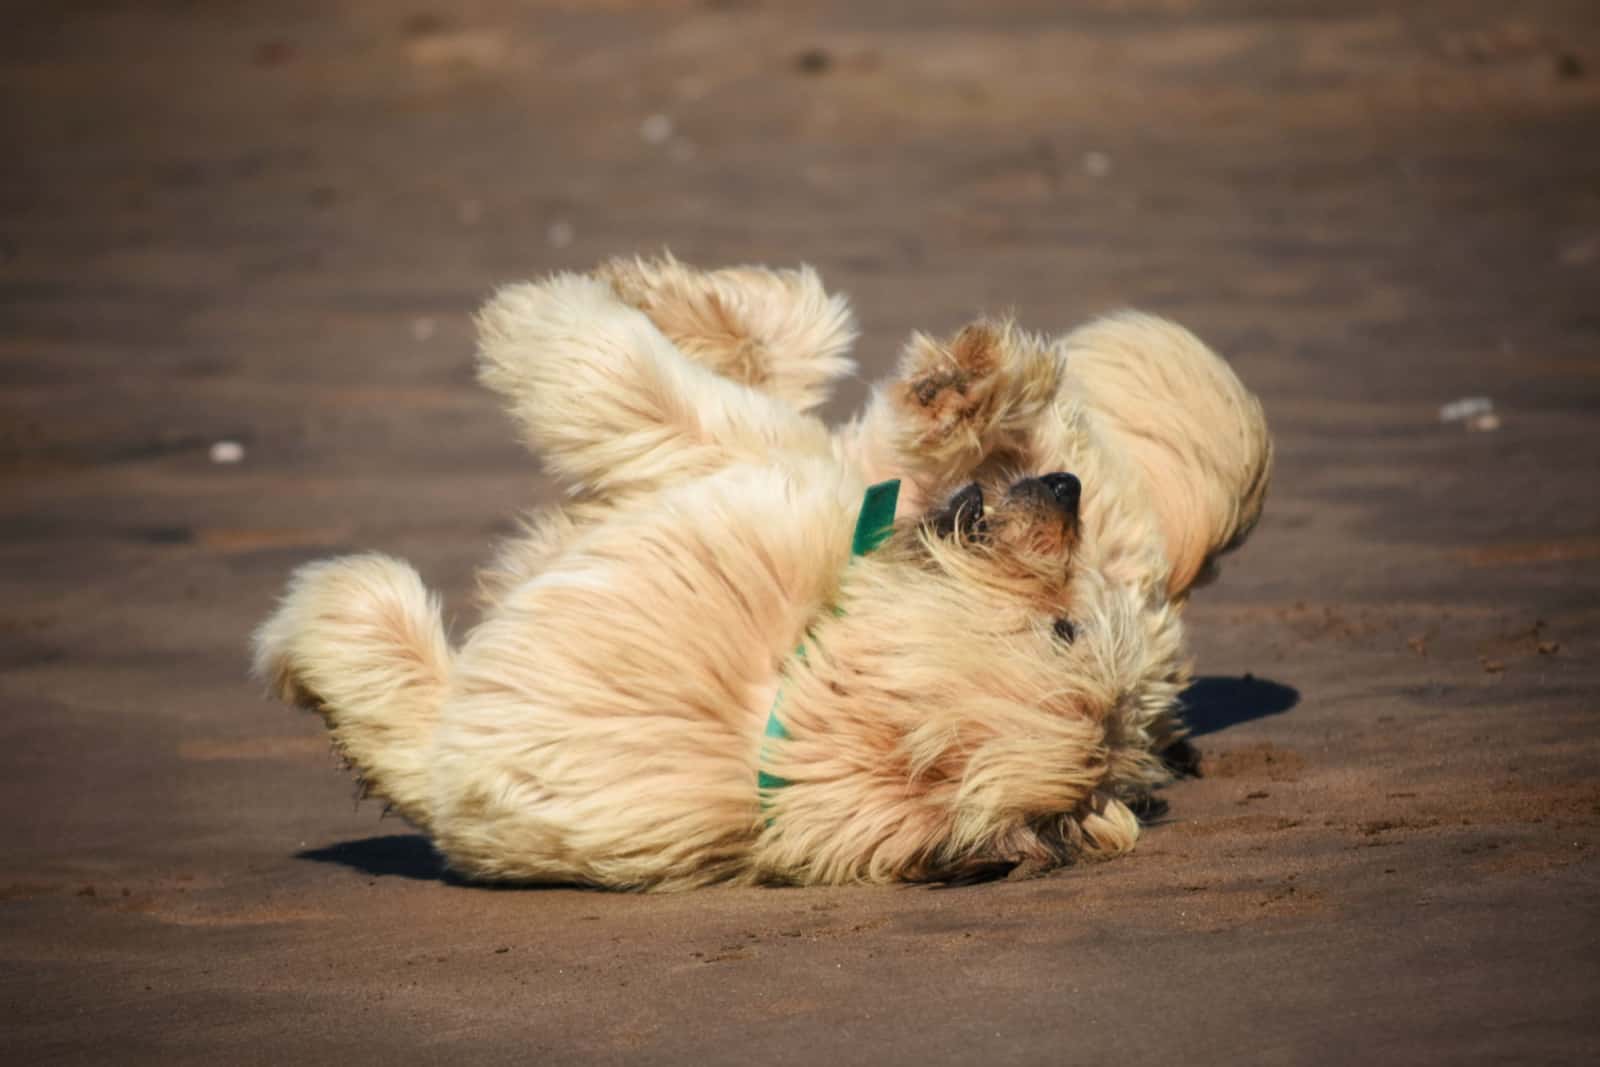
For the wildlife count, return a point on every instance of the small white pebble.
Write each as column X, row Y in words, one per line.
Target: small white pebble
column 1096, row 164
column 656, row 129
column 560, row 233
column 227, row 452
column 1466, row 408
column 423, row 328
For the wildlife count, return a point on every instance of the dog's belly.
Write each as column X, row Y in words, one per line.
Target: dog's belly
column 604, row 725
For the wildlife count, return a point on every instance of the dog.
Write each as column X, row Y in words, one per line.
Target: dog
column 722, row 659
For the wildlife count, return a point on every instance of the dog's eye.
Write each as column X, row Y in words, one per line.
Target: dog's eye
column 964, row 513
column 1065, row 630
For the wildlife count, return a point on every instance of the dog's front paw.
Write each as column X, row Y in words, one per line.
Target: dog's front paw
column 948, row 387
column 990, row 378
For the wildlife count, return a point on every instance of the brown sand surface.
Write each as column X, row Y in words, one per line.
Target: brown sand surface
column 268, row 223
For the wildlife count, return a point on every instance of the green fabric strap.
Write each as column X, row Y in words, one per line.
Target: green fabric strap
column 876, row 520
column 873, row 526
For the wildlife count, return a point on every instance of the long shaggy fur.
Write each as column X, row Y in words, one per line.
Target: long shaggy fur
column 992, row 686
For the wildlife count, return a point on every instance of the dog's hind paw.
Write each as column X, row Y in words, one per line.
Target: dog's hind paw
column 777, row 331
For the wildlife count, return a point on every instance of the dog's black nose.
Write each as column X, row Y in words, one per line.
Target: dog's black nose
column 1065, row 488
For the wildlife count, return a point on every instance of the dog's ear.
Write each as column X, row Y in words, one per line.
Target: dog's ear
column 980, row 869
column 1029, row 852
column 974, row 871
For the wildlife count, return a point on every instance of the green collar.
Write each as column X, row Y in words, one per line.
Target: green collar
column 873, row 526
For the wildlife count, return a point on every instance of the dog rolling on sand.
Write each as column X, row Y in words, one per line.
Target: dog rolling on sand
column 990, row 685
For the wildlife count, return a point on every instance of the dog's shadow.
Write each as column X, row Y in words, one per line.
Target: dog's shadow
column 1214, row 703
column 410, row 856
column 1210, row 705
column 400, row 855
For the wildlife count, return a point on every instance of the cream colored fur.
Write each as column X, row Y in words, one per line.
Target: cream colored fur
column 603, row 724
column 1173, row 451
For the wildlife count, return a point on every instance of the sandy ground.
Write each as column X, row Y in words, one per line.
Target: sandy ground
column 268, row 224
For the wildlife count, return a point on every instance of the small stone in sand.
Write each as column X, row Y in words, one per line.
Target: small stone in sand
column 1467, row 407
column 813, row 61
column 656, row 129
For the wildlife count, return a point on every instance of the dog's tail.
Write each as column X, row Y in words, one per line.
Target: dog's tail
column 359, row 640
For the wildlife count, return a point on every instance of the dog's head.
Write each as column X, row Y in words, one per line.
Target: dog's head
column 980, row 682
column 1021, row 536
column 1001, row 575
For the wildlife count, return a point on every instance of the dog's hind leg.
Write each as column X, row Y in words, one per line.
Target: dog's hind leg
column 955, row 404
column 612, row 404
column 359, row 640
column 777, row 331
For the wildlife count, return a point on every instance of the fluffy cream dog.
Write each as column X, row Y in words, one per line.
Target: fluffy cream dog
column 1177, row 449
column 990, row 686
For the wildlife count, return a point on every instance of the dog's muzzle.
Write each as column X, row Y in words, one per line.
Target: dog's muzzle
column 1059, row 490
